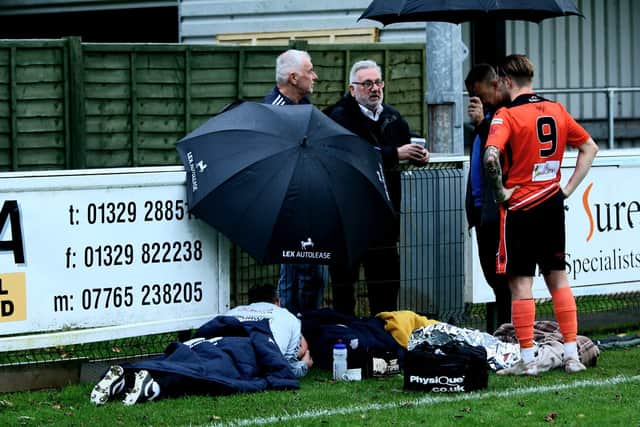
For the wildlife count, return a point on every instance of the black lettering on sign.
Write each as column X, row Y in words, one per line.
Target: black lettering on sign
column 6, row 307
column 11, row 213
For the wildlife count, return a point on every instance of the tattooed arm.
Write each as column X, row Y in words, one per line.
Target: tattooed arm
column 493, row 172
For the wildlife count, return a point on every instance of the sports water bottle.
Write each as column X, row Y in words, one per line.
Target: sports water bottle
column 339, row 361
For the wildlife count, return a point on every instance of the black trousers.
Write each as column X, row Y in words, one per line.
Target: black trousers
column 487, row 236
column 382, row 272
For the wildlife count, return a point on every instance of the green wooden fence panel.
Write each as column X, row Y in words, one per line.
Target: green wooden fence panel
column 66, row 104
column 34, row 113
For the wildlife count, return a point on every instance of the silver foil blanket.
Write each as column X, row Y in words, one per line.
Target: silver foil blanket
column 500, row 354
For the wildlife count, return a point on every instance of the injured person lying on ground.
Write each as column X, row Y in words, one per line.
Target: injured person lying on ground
column 249, row 348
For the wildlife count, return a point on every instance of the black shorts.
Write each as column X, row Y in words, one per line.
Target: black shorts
column 535, row 237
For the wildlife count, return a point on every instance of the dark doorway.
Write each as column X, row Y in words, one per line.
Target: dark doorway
column 134, row 25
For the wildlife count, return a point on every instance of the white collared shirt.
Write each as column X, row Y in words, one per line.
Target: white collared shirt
column 373, row 115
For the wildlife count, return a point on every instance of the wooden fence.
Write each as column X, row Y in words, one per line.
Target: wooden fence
column 65, row 104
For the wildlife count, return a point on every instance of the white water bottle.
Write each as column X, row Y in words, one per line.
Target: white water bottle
column 339, row 361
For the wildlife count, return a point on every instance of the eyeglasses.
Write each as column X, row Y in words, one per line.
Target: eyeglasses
column 368, row 84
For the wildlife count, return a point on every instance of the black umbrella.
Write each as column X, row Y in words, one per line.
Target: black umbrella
column 457, row 11
column 286, row 183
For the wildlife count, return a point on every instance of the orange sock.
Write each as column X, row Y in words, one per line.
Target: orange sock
column 523, row 314
column 564, row 306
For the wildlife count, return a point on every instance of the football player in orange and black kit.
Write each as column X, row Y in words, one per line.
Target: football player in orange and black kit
column 522, row 159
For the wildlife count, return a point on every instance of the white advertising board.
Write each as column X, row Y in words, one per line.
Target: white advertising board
column 602, row 229
column 111, row 250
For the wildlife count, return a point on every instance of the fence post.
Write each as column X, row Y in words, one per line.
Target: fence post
column 298, row 44
column 135, row 158
column 611, row 97
column 13, row 117
column 77, row 120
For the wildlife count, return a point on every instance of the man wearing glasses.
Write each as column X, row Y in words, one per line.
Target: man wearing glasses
column 363, row 112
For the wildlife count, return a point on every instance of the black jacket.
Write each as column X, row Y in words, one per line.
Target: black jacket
column 387, row 134
column 275, row 97
column 488, row 212
column 365, row 337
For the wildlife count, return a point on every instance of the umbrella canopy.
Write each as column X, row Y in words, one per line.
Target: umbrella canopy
column 458, row 11
column 286, row 183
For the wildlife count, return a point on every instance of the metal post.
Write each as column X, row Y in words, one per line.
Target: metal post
column 77, row 114
column 445, row 52
column 611, row 97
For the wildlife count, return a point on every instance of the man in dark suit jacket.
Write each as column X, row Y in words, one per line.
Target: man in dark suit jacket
column 363, row 112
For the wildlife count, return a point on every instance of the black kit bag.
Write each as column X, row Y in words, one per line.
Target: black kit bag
column 453, row 367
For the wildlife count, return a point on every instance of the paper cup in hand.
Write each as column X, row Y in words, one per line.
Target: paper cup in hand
column 420, row 141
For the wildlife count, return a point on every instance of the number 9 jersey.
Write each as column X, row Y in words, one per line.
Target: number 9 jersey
column 531, row 134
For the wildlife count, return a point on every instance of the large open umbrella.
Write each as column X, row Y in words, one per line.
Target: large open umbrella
column 457, row 11
column 286, row 183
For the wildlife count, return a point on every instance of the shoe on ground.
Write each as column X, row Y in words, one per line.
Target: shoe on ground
column 573, row 365
column 144, row 389
column 528, row 369
column 109, row 386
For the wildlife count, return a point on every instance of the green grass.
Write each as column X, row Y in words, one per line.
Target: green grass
column 510, row 401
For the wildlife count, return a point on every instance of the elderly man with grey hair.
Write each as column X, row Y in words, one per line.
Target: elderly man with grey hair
column 294, row 79
column 301, row 286
column 364, row 113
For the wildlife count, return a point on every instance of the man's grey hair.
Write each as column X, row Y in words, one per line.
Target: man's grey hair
column 289, row 61
column 363, row 65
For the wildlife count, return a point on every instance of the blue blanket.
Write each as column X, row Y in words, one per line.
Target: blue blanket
column 230, row 357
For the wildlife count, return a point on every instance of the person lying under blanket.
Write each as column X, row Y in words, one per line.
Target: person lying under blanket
column 249, row 348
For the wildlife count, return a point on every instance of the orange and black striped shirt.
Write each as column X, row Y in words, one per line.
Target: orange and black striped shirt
column 532, row 134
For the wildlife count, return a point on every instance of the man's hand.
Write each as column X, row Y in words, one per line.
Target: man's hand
column 503, row 194
column 475, row 110
column 413, row 152
column 306, row 358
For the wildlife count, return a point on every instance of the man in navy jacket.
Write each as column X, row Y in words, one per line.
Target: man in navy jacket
column 301, row 286
column 486, row 94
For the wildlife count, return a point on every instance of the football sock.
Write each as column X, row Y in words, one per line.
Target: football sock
column 155, row 389
column 523, row 314
column 571, row 350
column 564, row 306
column 527, row 354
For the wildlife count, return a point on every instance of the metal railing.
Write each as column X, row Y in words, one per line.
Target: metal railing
column 611, row 102
column 610, row 93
